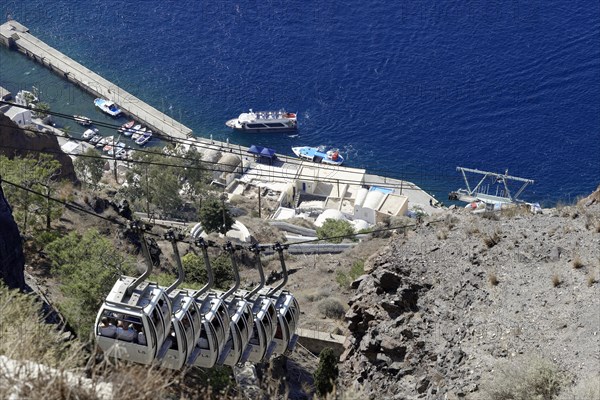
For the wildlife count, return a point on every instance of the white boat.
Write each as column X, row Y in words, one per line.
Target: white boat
column 82, row 120
column 26, row 98
column 264, row 121
column 144, row 138
column 319, row 155
column 105, row 141
column 88, row 134
column 95, row 139
column 118, row 147
column 108, row 106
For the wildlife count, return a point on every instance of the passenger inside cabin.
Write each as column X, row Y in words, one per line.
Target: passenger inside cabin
column 107, row 329
column 141, row 337
column 126, row 332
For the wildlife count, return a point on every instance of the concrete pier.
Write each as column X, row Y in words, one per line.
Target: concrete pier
column 16, row 36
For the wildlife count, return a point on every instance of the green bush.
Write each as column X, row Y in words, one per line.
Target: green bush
column 195, row 271
column 344, row 280
column 331, row 308
column 326, row 373
column 214, row 216
column 87, row 266
column 333, row 228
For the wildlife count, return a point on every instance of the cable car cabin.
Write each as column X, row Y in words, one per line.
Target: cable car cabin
column 288, row 313
column 261, row 343
column 186, row 326
column 241, row 327
column 133, row 326
column 215, row 331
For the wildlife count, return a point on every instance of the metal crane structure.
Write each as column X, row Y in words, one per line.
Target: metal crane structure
column 174, row 327
column 481, row 191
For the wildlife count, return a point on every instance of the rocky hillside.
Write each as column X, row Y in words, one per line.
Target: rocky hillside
column 444, row 308
column 22, row 142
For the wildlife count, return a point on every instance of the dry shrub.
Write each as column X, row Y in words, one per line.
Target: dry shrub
column 577, row 263
column 492, row 240
column 317, row 294
column 472, row 229
column 585, row 388
column 524, row 379
column 591, row 279
column 493, row 279
column 442, row 234
column 556, row 281
column 331, row 308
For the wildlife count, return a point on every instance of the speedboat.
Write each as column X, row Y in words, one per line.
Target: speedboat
column 95, row 139
column 319, row 155
column 82, row 120
column 264, row 121
column 142, row 140
column 116, row 148
column 125, row 128
column 108, row 106
column 88, row 134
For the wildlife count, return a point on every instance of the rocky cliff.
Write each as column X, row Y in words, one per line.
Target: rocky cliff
column 443, row 306
column 15, row 141
column 12, row 261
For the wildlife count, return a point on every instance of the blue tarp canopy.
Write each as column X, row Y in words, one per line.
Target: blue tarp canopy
column 255, row 149
column 266, row 152
column 262, row 151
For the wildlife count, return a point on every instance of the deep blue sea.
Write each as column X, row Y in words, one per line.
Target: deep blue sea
column 409, row 89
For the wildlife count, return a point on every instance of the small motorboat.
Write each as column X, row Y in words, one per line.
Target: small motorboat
column 319, row 155
column 82, row 120
column 109, row 140
column 89, row 134
column 116, row 148
column 107, row 106
column 95, row 139
column 144, row 138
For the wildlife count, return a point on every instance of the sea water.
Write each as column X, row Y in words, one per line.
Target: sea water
column 405, row 89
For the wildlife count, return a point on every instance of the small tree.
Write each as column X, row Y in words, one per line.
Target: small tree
column 326, row 373
column 87, row 266
column 332, row 228
column 195, row 270
column 215, row 217
column 90, row 167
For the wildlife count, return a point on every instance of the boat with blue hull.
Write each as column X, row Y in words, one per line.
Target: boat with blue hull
column 319, row 154
column 107, row 106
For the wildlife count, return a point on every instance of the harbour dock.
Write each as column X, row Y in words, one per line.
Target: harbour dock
column 16, row 36
column 340, row 195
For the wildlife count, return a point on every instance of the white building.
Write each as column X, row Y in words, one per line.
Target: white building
column 372, row 205
column 20, row 116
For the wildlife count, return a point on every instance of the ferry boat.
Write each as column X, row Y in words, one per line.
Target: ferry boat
column 319, row 155
column 107, row 106
column 264, row 121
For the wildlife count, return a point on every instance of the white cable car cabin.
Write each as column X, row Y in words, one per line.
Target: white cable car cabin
column 186, row 323
column 135, row 317
column 261, row 342
column 215, row 321
column 288, row 312
column 242, row 320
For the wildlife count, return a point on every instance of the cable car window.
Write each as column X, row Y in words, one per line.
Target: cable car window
column 108, row 325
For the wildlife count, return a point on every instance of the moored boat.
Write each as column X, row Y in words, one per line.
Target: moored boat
column 264, row 121
column 142, row 140
column 82, row 120
column 88, row 134
column 319, row 155
column 108, row 106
